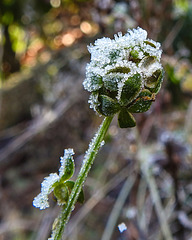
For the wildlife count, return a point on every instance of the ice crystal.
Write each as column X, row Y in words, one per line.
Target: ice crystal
column 113, row 67
column 122, row 227
column 49, row 183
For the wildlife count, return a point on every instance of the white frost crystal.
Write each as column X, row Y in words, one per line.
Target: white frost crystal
column 121, row 72
column 47, row 186
column 122, row 227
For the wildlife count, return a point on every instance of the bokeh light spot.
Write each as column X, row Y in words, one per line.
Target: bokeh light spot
column 86, row 27
column 55, row 3
column 68, row 39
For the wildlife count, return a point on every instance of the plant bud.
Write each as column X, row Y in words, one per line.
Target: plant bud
column 124, row 75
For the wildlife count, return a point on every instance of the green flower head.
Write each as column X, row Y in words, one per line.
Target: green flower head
column 124, row 75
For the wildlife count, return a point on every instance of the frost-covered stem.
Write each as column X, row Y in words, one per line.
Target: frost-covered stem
column 157, row 203
column 87, row 162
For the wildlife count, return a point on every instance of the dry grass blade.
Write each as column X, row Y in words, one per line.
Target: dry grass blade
column 118, row 207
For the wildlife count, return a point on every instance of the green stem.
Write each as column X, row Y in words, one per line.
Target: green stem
column 90, row 155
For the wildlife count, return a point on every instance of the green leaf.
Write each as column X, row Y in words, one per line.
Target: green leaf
column 146, row 61
column 67, row 169
column 94, row 83
column 70, row 185
column 153, row 83
column 110, row 81
column 126, row 119
column 134, row 54
column 61, row 192
column 107, row 106
column 131, row 89
column 150, row 43
column 114, row 54
column 119, row 70
column 142, row 103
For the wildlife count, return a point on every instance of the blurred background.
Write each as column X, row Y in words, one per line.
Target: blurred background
column 44, row 109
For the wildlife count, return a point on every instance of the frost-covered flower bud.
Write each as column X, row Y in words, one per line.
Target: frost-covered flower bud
column 124, row 75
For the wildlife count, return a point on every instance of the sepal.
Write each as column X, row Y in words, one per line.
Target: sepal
column 142, row 103
column 153, row 83
column 107, row 106
column 131, row 88
column 61, row 193
column 126, row 119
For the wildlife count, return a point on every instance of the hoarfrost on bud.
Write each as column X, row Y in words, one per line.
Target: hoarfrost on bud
column 110, row 75
column 49, row 183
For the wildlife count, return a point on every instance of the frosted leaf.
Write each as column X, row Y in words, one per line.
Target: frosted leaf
column 68, row 154
column 152, row 68
column 93, row 82
column 49, row 183
column 41, row 201
column 93, row 100
column 111, row 80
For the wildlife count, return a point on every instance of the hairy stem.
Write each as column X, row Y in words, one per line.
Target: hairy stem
column 87, row 162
